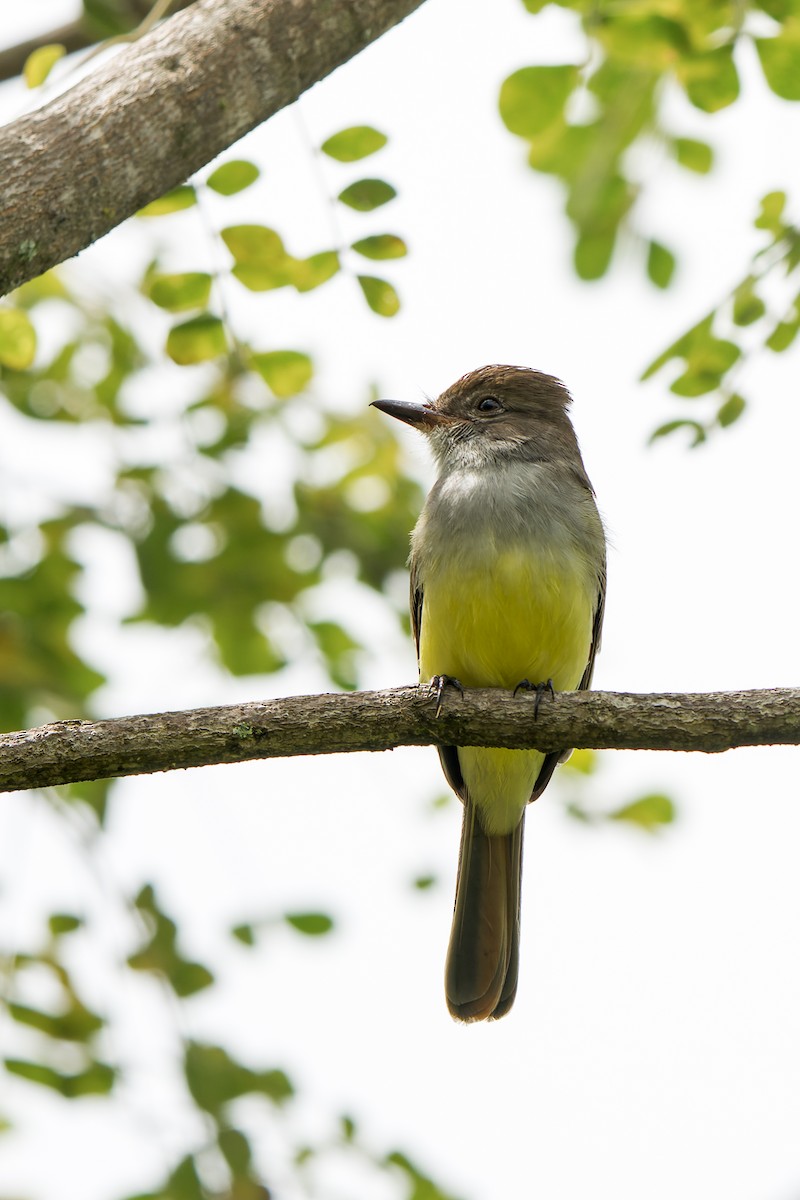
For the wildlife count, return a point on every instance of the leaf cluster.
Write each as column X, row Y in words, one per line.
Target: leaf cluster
column 206, row 549
column 583, row 120
column 66, row 1035
column 762, row 311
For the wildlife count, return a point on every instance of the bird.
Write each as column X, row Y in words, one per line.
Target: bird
column 508, row 582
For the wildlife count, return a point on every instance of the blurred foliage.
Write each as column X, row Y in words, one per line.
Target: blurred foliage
column 761, row 312
column 110, row 18
column 69, row 1031
column 40, row 63
column 600, row 127
column 581, row 120
column 241, row 563
column 160, row 953
column 648, row 813
column 65, row 1037
column 206, row 549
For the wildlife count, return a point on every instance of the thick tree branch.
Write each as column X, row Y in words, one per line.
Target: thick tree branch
column 73, row 751
column 160, row 110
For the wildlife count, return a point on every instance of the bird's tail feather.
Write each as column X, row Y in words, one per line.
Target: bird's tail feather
column 483, row 958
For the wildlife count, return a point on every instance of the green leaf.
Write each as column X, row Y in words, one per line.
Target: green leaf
column 649, row 813
column 643, row 41
column 710, row 79
column 367, row 194
column 731, row 410
column 348, row 1126
column 380, row 246
column 582, row 762
column 350, row 145
column 422, row 1186
column 533, row 98
column 747, row 306
column 308, row 273
column 424, row 882
column 697, row 430
column 379, row 295
column 75, row 1024
column 174, row 201
column 287, row 372
column 770, row 216
column 245, row 934
column 707, row 359
column 61, row 923
column 311, row 924
column 779, row 10
column 160, row 954
column 695, row 383
column 40, row 63
column 681, row 348
column 39, row 664
column 215, row 1079
column 693, row 155
column 197, row 340
column 660, row 264
column 36, row 1073
column 262, row 262
column 782, row 336
column 262, row 279
column 256, row 245
column 48, row 286
column 178, row 293
column 592, row 254
column 96, row 1080
column 236, row 1151
column 17, row 339
column 233, row 177
column 339, row 650
column 183, row 1184
column 780, row 62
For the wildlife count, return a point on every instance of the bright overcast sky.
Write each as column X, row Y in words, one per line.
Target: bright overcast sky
column 654, row 1048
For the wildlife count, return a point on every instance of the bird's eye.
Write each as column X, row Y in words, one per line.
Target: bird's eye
column 489, row 404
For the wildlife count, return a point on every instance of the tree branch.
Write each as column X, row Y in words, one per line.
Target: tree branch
column 161, row 109
column 74, row 751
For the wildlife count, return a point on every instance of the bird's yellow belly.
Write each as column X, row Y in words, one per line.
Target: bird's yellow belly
column 519, row 618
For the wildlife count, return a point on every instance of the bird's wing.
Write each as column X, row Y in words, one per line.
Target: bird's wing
column 448, row 755
column 551, row 761
column 597, row 630
column 415, row 604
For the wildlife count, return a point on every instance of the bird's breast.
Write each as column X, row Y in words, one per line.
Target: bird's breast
column 517, row 617
column 509, row 585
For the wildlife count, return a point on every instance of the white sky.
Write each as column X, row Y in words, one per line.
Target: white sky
column 654, row 1048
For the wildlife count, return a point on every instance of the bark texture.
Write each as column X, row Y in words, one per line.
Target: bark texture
column 159, row 110
column 74, row 751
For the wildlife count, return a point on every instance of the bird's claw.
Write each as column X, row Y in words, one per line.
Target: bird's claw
column 540, row 689
column 437, row 686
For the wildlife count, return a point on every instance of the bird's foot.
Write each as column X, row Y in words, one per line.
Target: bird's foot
column 437, row 686
column 540, row 689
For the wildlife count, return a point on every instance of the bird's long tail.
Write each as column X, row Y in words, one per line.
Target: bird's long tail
column 483, row 958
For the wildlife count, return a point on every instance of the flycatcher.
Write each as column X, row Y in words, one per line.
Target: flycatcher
column 508, row 573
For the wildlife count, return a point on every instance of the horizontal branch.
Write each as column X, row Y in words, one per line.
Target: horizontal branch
column 337, row 723
column 159, row 110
